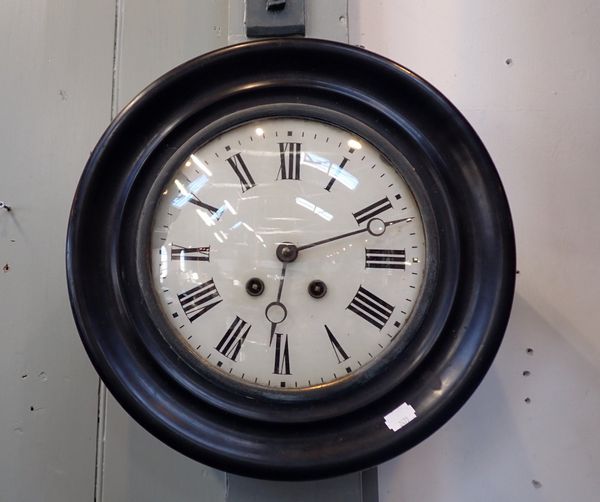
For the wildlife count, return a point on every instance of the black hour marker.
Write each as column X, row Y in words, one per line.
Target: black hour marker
column 199, row 300
column 339, row 352
column 371, row 308
column 239, row 166
column 373, row 210
column 385, row 258
column 282, row 355
column 232, row 341
column 190, row 254
column 397, row 324
column 289, row 168
column 211, row 209
column 336, row 172
column 398, row 196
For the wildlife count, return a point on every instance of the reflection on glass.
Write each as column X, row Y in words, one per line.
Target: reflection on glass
column 164, row 263
column 229, row 207
column 209, row 222
column 336, row 171
column 187, row 193
column 315, row 209
column 352, row 143
column 200, row 165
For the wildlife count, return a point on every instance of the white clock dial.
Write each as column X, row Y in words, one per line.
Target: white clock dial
column 288, row 253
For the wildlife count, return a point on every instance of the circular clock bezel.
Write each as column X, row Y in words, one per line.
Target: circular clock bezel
column 323, row 401
column 101, row 259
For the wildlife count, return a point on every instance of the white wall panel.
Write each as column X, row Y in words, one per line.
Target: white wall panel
column 526, row 75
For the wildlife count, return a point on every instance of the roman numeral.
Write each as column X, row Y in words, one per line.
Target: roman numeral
column 371, row 308
column 339, row 352
column 282, row 355
column 385, row 258
column 373, row 210
column 190, row 254
column 235, row 336
column 289, row 168
column 199, row 300
column 336, row 172
column 240, row 169
column 211, row 209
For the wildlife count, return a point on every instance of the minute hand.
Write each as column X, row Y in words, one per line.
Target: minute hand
column 354, row 232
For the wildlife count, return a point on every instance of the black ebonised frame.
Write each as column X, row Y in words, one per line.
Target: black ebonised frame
column 309, row 434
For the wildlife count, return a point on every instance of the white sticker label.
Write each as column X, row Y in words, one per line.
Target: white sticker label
column 398, row 418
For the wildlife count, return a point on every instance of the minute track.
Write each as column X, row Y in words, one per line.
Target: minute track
column 257, row 230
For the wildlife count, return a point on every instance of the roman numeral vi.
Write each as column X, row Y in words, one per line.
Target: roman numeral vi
column 282, row 355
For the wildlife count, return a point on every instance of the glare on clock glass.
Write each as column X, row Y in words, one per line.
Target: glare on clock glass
column 287, row 253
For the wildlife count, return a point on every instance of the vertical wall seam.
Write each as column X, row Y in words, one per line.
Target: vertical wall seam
column 116, row 58
column 100, row 432
column 114, row 106
column 347, row 14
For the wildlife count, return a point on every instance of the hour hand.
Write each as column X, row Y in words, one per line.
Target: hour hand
column 276, row 311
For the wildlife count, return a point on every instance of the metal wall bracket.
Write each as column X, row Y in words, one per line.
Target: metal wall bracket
column 274, row 18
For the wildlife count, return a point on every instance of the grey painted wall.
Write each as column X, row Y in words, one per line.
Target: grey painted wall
column 67, row 68
column 55, row 95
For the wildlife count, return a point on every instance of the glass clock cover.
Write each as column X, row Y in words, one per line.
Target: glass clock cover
column 347, row 215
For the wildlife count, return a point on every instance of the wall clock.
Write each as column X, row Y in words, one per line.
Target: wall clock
column 290, row 259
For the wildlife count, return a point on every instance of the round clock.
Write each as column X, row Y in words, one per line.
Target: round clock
column 290, row 259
